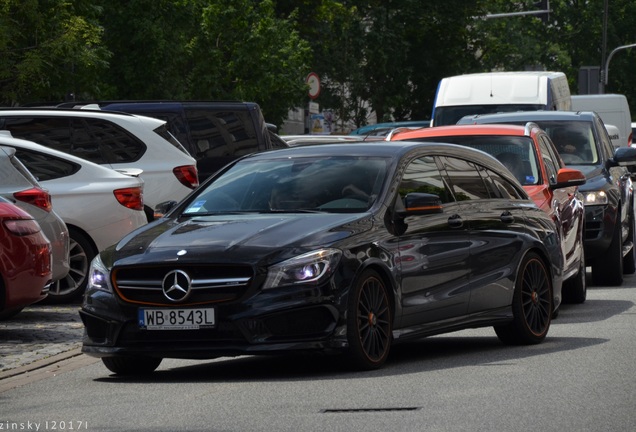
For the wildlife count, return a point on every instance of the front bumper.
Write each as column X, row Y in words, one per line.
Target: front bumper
column 282, row 321
column 600, row 223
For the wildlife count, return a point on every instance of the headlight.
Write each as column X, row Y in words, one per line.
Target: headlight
column 98, row 276
column 595, row 198
column 309, row 268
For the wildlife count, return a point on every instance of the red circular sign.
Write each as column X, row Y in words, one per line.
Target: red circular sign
column 314, row 85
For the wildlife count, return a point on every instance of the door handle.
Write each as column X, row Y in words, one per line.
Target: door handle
column 455, row 221
column 507, row 217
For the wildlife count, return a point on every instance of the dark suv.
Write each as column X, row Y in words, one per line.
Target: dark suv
column 213, row 132
column 583, row 143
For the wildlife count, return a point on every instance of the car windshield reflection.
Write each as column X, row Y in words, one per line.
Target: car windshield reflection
column 300, row 185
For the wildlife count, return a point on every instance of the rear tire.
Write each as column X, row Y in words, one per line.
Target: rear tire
column 73, row 285
column 369, row 322
column 124, row 365
column 532, row 304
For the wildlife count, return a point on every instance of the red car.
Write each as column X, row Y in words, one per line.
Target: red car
column 531, row 157
column 25, row 260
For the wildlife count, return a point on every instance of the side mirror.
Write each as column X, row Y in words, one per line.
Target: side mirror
column 416, row 203
column 163, row 208
column 624, row 156
column 567, row 177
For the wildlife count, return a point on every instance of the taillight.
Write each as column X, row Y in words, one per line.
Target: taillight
column 187, row 175
column 131, row 198
column 35, row 196
column 22, row 227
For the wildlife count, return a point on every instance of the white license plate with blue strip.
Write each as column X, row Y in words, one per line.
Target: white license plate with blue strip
column 176, row 319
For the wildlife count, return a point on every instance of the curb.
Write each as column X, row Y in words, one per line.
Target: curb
column 38, row 364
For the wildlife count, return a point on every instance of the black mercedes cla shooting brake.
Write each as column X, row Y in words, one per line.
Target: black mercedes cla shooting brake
column 336, row 249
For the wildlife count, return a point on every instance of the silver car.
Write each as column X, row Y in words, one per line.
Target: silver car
column 19, row 186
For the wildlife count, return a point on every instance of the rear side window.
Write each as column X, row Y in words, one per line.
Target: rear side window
column 221, row 133
column 46, row 167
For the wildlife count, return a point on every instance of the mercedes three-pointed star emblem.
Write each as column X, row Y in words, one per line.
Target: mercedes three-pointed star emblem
column 176, row 286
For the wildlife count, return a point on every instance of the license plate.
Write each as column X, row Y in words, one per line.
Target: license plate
column 176, row 319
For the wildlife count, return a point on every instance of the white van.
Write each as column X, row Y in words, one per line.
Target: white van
column 613, row 110
column 494, row 92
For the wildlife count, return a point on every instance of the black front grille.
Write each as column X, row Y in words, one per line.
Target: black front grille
column 210, row 283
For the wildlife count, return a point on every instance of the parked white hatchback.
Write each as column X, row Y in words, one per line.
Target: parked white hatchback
column 116, row 140
column 99, row 206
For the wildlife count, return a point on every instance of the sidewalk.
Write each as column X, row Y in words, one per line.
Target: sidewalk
column 38, row 333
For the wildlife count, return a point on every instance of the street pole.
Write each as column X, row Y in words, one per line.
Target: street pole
column 605, row 71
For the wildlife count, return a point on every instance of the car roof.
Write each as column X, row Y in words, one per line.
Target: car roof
column 387, row 149
column 519, row 116
column 87, row 111
column 465, row 129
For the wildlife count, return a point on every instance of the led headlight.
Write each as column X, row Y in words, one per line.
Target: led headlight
column 98, row 276
column 595, row 198
column 309, row 268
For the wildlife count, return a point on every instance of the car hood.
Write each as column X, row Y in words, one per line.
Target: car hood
column 233, row 238
column 595, row 176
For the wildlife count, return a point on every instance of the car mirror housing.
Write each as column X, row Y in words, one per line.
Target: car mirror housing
column 162, row 208
column 624, row 156
column 567, row 177
column 421, row 204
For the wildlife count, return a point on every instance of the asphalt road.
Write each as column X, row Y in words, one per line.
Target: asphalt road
column 582, row 378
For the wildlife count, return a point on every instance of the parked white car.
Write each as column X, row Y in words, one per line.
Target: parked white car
column 19, row 186
column 115, row 140
column 98, row 205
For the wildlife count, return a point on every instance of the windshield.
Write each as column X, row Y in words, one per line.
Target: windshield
column 312, row 184
column 574, row 140
column 517, row 153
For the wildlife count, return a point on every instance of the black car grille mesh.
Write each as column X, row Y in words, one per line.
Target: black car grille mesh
column 209, row 284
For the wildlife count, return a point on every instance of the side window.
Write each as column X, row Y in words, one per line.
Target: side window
column 422, row 175
column 45, row 167
column 604, row 138
column 549, row 159
column 114, row 144
column 464, row 178
column 83, row 145
column 52, row 132
column 504, row 188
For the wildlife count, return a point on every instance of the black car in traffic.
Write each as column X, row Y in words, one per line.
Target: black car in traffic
column 584, row 144
column 340, row 248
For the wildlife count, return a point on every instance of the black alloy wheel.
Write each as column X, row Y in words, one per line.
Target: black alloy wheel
column 124, row 365
column 532, row 304
column 369, row 322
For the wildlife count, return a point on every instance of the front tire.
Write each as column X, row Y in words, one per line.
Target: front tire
column 369, row 322
column 575, row 289
column 608, row 268
column 532, row 304
column 629, row 260
column 131, row 365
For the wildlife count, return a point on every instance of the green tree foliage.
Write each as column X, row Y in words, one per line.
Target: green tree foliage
column 150, row 42
column 385, row 56
column 48, row 50
column 245, row 52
